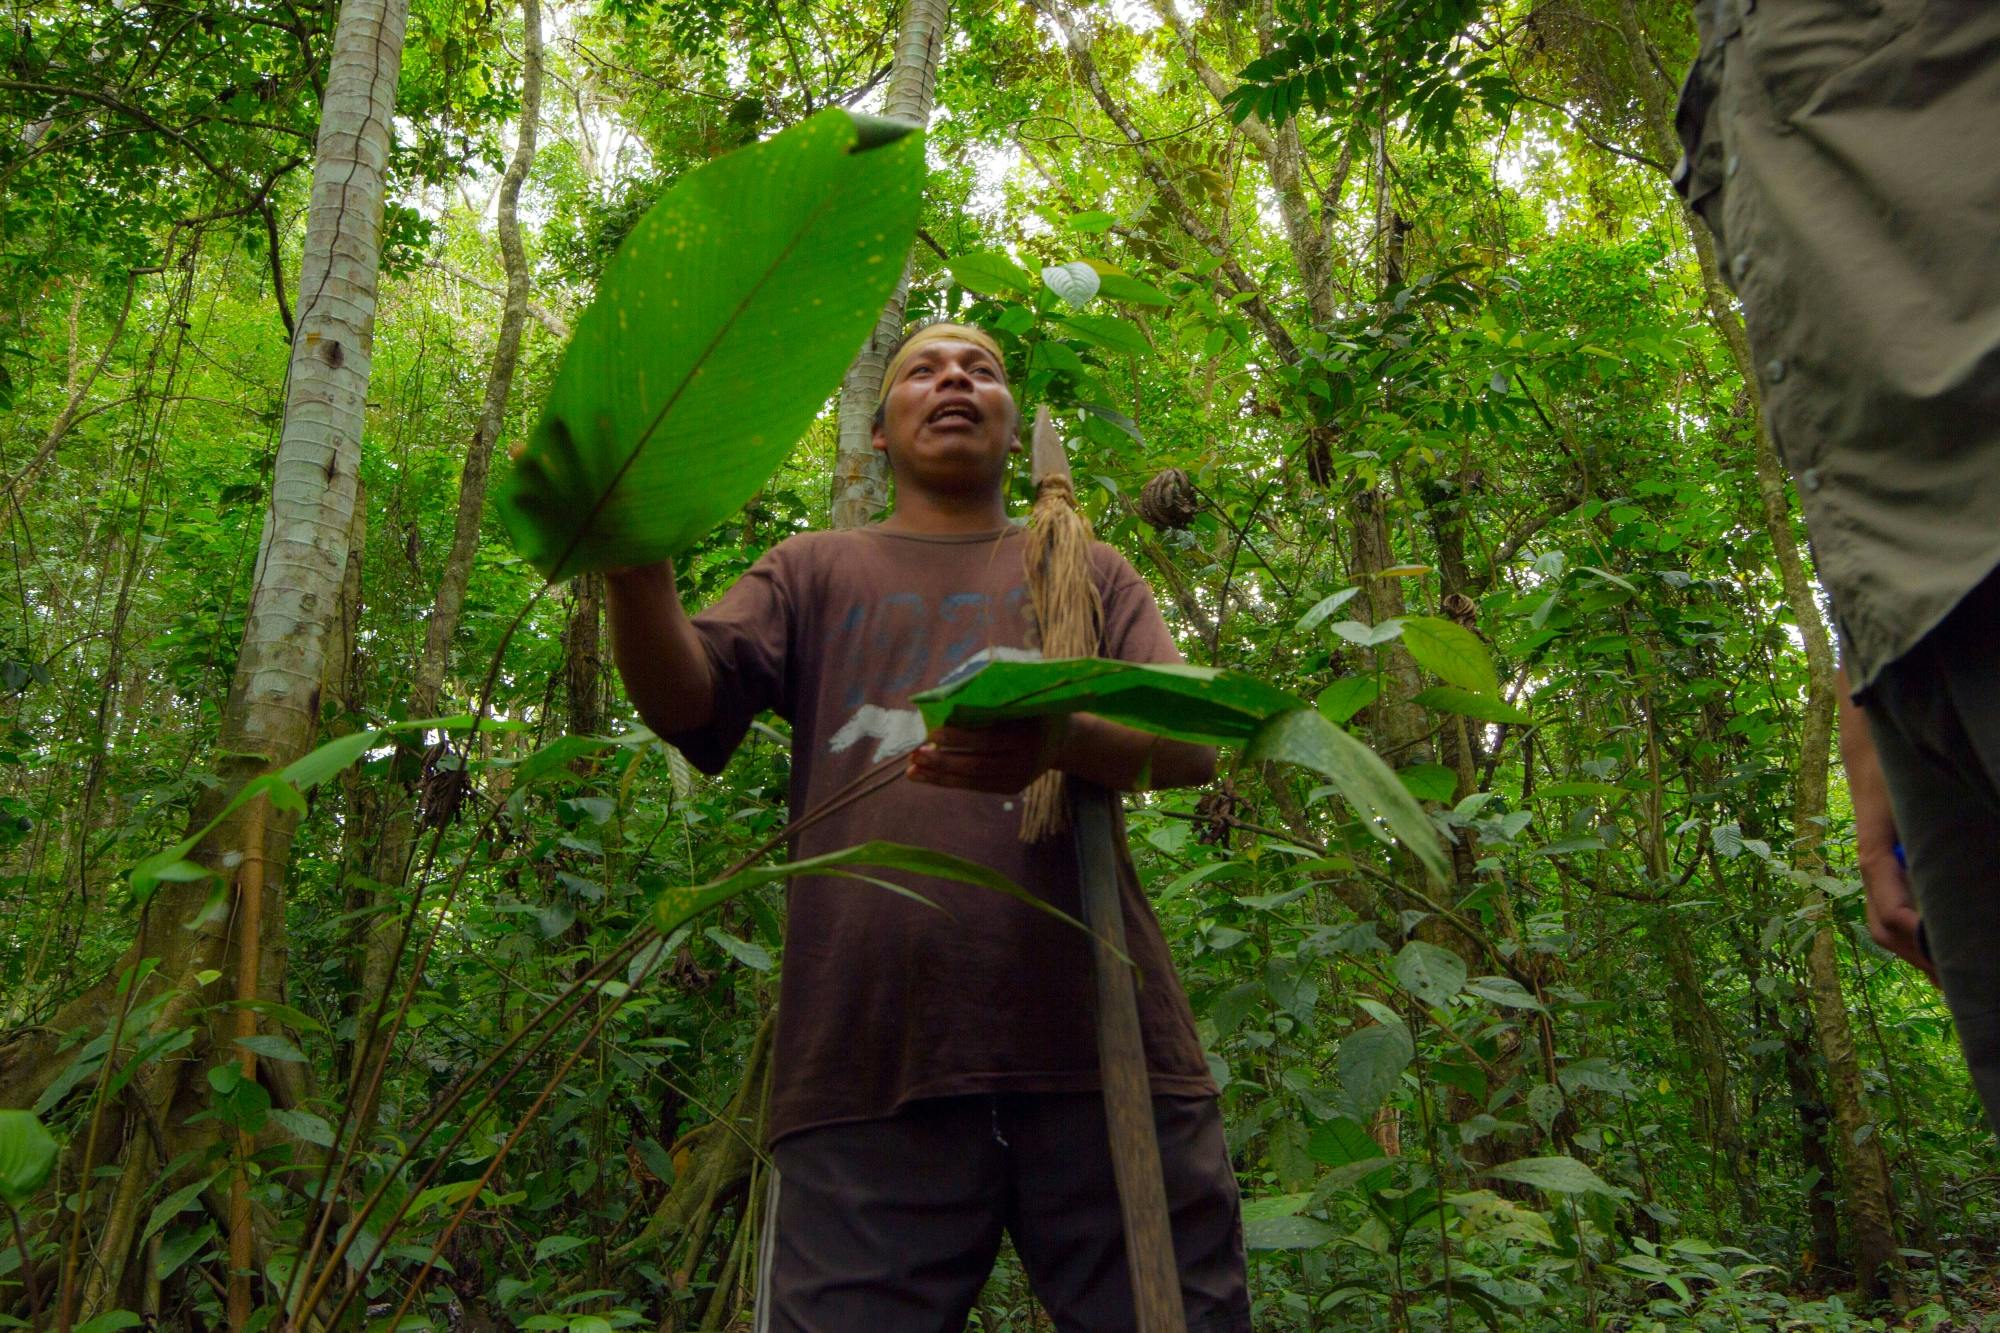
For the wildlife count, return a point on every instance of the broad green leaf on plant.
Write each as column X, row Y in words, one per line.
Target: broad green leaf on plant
column 1110, row 332
column 272, row 1047
column 1112, row 417
column 1274, row 1205
column 1370, row 1064
column 1343, row 1144
column 175, row 1204
column 1364, row 635
column 1345, row 697
column 1571, row 846
column 1595, row 1074
column 1130, row 291
column 1503, row 991
column 719, row 329
column 304, row 1125
column 1075, row 282
column 556, row 757
column 1051, row 355
column 990, row 274
column 1325, row 607
column 27, row 1156
column 177, row 1249
column 442, row 1197
column 1480, row 707
column 676, row 907
column 1092, row 221
column 1452, row 653
column 1558, row 1175
column 110, row 1322
column 1428, row 782
column 548, row 1247
column 1200, row 704
column 1491, row 1217
column 1431, row 974
column 1545, row 1103
column 1287, row 1233
column 316, row 767
column 747, row 952
column 1305, row 738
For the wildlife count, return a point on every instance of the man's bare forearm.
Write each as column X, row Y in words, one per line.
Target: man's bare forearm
column 1874, row 818
column 659, row 654
column 1125, row 759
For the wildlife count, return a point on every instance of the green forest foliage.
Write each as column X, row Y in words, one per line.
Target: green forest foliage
column 1458, row 379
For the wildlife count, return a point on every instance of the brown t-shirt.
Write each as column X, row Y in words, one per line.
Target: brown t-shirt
column 884, row 1000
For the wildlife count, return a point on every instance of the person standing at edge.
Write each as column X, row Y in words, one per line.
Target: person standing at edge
column 1844, row 155
column 935, row 1073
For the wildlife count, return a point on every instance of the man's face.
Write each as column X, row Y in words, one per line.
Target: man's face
column 949, row 421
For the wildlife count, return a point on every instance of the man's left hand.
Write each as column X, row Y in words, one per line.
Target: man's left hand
column 1003, row 758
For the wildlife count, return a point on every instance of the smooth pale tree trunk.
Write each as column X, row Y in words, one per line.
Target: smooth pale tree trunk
column 860, row 473
column 293, row 620
column 389, row 864
column 1870, row 1206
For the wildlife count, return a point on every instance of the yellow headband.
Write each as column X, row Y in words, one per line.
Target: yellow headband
column 931, row 333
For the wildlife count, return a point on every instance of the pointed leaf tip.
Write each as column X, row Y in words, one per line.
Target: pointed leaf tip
column 875, row 131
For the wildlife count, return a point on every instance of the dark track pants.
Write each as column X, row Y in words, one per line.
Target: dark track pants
column 1934, row 714
column 891, row 1226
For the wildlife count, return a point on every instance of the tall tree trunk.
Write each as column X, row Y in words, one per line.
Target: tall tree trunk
column 390, row 860
column 860, row 473
column 583, row 655
column 295, row 603
column 1815, row 1125
column 1864, row 1170
column 443, row 624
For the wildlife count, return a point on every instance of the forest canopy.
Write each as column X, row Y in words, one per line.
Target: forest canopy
column 367, row 963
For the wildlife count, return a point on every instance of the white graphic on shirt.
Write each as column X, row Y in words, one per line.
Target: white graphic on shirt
column 900, row 730
column 894, row 730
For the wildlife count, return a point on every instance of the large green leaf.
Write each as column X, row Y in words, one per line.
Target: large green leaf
column 1370, row 1064
column 1200, row 704
column 1287, row 1233
column 1431, row 974
column 1482, row 707
column 720, row 327
column 1344, row 1145
column 1452, row 652
column 989, row 274
column 1558, row 1175
column 27, row 1156
column 1305, row 738
column 1111, row 333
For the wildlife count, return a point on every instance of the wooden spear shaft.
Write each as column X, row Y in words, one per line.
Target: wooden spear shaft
column 1121, row 1060
column 1121, row 1052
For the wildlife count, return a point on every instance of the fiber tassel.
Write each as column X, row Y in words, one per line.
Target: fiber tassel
column 1068, row 611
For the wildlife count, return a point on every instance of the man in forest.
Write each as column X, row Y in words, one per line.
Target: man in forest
column 1847, row 158
column 935, row 1076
